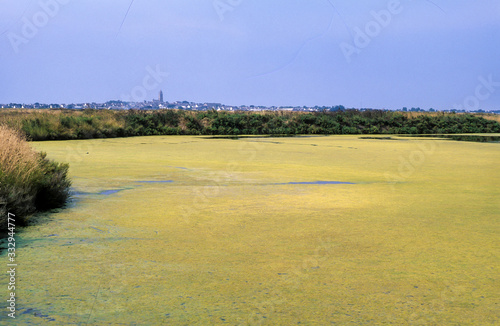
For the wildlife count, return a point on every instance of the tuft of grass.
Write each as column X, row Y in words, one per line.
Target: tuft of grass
column 29, row 182
column 18, row 161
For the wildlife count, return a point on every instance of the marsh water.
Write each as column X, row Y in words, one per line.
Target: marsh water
column 262, row 231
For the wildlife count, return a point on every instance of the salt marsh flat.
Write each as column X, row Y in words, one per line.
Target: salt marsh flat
column 186, row 230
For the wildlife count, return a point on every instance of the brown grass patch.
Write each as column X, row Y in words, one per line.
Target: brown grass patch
column 18, row 161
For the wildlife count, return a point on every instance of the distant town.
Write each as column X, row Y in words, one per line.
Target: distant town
column 159, row 104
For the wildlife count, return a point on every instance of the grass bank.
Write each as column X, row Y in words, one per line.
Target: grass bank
column 87, row 124
column 29, row 182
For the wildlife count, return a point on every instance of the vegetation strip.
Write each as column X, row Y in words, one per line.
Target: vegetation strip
column 63, row 124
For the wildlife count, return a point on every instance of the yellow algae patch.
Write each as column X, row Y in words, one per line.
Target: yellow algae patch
column 200, row 231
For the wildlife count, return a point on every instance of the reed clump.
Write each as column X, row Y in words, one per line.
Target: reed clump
column 29, row 182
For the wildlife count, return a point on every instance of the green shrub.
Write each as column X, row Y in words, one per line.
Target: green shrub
column 52, row 184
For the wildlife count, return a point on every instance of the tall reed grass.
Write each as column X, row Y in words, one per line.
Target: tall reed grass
column 29, row 182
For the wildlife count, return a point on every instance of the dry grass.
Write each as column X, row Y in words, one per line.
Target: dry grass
column 493, row 117
column 487, row 116
column 18, row 161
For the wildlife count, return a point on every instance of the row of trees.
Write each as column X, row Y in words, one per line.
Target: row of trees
column 69, row 124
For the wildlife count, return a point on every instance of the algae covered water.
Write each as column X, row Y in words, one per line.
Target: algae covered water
column 261, row 231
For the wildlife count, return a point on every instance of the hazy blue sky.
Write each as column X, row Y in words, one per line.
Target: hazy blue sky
column 380, row 54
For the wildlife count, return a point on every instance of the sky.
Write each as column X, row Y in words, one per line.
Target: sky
column 387, row 54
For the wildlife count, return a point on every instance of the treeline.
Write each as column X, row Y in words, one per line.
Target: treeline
column 29, row 182
column 71, row 124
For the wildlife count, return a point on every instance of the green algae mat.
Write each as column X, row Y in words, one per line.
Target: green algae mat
column 337, row 230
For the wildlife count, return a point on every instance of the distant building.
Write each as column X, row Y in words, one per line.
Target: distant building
column 161, row 97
